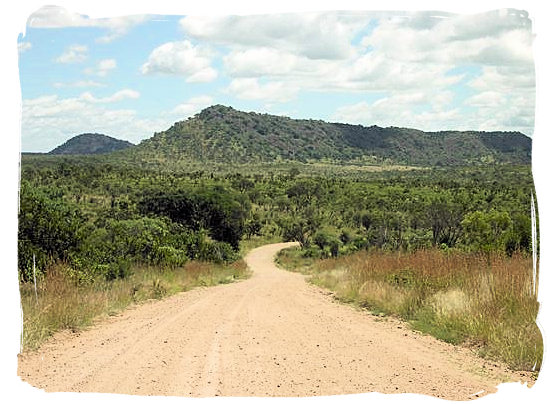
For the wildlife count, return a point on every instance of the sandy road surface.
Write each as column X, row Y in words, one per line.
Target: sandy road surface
column 271, row 335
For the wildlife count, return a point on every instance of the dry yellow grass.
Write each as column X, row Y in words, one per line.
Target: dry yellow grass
column 487, row 301
column 63, row 303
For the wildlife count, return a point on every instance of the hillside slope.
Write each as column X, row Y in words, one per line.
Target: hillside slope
column 225, row 135
column 91, row 143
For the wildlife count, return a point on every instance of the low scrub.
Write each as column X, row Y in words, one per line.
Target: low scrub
column 63, row 301
column 484, row 300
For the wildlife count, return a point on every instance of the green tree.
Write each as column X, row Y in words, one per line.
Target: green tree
column 48, row 228
column 486, row 231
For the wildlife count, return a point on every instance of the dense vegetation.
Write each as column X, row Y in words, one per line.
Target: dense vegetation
column 225, row 135
column 174, row 212
column 91, row 143
column 102, row 218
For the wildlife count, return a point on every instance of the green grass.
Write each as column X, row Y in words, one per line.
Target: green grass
column 457, row 297
column 64, row 304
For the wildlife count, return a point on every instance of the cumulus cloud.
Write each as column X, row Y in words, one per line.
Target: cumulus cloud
column 262, row 61
column 73, row 54
column 313, row 35
column 505, row 97
column 78, row 84
column 490, row 111
column 505, row 78
column 417, row 109
column 48, row 121
column 486, row 99
column 58, row 17
column 183, row 59
column 192, row 106
column 102, row 68
column 401, row 52
column 51, row 104
column 118, row 96
column 252, row 89
column 496, row 38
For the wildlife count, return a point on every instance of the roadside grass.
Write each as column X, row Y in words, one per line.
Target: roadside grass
column 485, row 301
column 63, row 303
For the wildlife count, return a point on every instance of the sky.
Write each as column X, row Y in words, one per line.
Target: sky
column 131, row 76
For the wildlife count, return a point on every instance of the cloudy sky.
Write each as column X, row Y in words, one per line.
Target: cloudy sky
column 129, row 77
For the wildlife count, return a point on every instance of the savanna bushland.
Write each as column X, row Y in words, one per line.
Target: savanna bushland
column 440, row 236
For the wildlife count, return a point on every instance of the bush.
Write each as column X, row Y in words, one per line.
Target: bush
column 216, row 251
column 169, row 257
column 220, row 211
column 47, row 229
column 109, row 251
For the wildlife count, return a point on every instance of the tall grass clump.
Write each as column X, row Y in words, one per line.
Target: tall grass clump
column 65, row 302
column 484, row 300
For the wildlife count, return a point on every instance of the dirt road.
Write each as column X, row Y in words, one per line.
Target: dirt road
column 271, row 335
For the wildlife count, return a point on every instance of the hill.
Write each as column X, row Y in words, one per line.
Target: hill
column 91, row 143
column 225, row 135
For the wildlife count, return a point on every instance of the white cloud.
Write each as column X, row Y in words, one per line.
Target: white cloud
column 313, row 35
column 490, row 111
column 49, row 120
column 58, row 17
column 23, row 46
column 505, row 78
column 252, row 89
column 73, row 54
column 192, row 106
column 505, row 98
column 79, row 83
column 497, row 38
column 411, row 57
column 51, row 105
column 363, row 113
column 118, row 96
column 418, row 109
column 103, row 68
column 182, row 59
column 403, row 52
column 487, row 99
column 263, row 61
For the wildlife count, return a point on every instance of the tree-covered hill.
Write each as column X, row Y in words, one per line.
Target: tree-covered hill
column 225, row 135
column 91, row 143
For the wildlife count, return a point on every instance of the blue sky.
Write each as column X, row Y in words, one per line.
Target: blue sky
column 129, row 77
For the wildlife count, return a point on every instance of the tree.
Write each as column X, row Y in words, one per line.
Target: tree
column 216, row 209
column 444, row 216
column 519, row 237
column 48, row 229
column 486, row 231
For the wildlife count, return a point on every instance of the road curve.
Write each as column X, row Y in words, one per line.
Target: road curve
column 271, row 335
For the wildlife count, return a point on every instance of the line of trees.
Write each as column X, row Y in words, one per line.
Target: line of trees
column 103, row 218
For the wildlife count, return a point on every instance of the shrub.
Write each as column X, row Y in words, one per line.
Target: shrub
column 109, row 251
column 216, row 251
column 48, row 229
column 169, row 256
column 220, row 211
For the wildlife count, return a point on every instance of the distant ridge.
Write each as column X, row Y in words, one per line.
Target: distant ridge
column 91, row 143
column 226, row 135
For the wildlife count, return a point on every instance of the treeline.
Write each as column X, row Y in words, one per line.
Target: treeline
column 102, row 218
